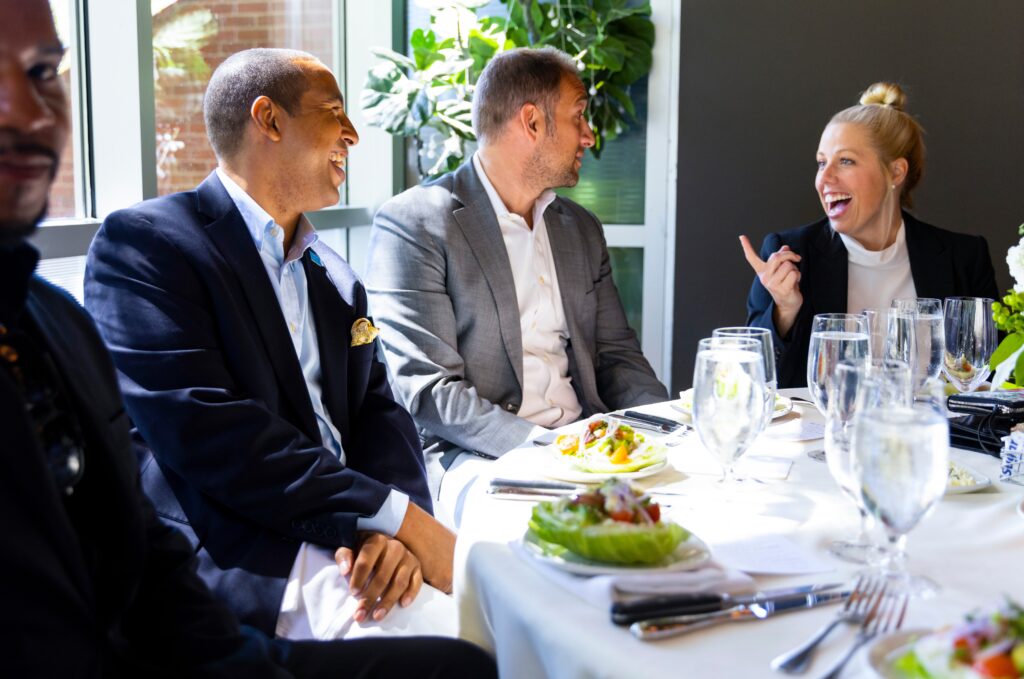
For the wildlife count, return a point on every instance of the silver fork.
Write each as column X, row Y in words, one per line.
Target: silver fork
column 886, row 615
column 853, row 612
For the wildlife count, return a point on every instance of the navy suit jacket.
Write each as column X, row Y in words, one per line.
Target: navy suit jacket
column 942, row 264
column 214, row 388
column 135, row 606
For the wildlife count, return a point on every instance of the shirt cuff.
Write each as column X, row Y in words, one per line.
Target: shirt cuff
column 389, row 517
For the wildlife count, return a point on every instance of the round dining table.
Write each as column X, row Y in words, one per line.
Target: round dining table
column 971, row 545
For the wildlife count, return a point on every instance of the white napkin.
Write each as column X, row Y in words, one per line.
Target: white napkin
column 799, row 429
column 600, row 590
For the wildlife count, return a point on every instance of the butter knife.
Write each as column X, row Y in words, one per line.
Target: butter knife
column 645, row 608
column 662, row 628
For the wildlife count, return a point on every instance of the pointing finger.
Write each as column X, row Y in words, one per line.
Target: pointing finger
column 755, row 262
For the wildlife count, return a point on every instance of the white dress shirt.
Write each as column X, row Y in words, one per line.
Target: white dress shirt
column 289, row 281
column 874, row 279
column 548, row 396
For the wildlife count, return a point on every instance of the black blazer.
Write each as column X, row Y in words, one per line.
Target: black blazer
column 138, row 600
column 942, row 264
column 212, row 383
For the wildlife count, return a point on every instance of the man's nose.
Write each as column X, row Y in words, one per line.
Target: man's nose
column 587, row 138
column 348, row 131
column 21, row 107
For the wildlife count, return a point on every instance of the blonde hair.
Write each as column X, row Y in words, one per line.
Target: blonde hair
column 894, row 133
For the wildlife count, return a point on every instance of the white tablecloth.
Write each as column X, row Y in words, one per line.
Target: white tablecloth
column 972, row 544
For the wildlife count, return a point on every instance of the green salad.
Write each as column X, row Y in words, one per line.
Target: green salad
column 609, row 447
column 615, row 523
column 988, row 646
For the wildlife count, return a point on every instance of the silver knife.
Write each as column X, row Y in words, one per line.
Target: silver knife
column 661, row 628
column 636, row 608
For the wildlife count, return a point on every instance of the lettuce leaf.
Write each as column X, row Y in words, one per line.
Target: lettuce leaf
column 599, row 463
column 607, row 541
column 910, row 666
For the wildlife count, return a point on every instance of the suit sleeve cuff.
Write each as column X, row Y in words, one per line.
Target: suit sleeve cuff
column 389, row 517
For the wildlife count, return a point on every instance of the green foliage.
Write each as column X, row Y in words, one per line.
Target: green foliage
column 427, row 96
column 178, row 37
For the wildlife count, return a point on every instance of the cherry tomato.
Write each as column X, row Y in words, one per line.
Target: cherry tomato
column 623, row 515
column 654, row 511
column 996, row 667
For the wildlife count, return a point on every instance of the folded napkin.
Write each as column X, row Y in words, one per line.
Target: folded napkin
column 602, row 590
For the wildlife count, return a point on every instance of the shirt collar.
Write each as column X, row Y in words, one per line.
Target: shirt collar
column 543, row 200
column 17, row 263
column 260, row 224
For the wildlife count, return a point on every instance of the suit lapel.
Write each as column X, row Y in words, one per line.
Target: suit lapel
column 332, row 318
column 828, row 278
column 233, row 241
column 930, row 263
column 567, row 251
column 480, row 227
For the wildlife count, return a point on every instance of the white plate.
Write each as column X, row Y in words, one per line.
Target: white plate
column 556, row 469
column 885, row 650
column 783, row 405
column 980, row 482
column 690, row 554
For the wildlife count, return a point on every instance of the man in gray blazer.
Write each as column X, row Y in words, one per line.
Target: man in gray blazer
column 498, row 314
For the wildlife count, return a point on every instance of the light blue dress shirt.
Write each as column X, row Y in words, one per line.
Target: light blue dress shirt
column 288, row 279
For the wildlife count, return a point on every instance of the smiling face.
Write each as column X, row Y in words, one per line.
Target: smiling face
column 559, row 155
column 315, row 143
column 854, row 186
column 34, row 121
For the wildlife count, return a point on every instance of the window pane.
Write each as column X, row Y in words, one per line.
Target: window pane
column 64, row 202
column 193, row 37
column 613, row 186
column 628, row 274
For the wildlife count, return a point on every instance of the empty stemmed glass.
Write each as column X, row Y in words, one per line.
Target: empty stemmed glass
column 764, row 337
column 916, row 336
column 858, row 385
column 728, row 398
column 970, row 334
column 901, row 462
column 834, row 337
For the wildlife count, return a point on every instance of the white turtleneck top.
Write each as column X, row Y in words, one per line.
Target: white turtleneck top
column 874, row 279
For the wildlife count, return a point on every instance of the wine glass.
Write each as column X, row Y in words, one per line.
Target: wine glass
column 834, row 337
column 901, row 461
column 970, row 334
column 728, row 398
column 924, row 351
column 857, row 386
column 764, row 337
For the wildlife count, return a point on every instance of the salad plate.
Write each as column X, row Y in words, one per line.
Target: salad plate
column 783, row 404
column 963, row 479
column 690, row 554
column 886, row 650
column 561, row 471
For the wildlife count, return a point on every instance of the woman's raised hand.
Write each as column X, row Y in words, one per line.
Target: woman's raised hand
column 780, row 276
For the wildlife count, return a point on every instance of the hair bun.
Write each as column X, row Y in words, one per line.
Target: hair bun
column 884, row 94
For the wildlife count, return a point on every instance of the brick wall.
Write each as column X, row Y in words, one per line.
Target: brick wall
column 241, row 24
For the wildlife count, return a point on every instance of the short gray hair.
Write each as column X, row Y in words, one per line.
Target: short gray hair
column 512, row 79
column 239, row 81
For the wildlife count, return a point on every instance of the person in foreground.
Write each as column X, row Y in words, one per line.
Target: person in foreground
column 495, row 297
column 93, row 583
column 868, row 250
column 248, row 367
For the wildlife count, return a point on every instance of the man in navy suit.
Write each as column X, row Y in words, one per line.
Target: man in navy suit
column 249, row 367
column 93, row 584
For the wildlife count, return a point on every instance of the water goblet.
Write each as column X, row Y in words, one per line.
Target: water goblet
column 901, row 462
column 764, row 337
column 924, row 348
column 834, row 337
column 728, row 398
column 856, row 386
column 970, row 340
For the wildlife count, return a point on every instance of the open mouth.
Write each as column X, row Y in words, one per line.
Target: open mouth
column 337, row 159
column 836, row 203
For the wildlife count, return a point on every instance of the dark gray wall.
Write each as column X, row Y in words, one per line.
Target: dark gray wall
column 759, row 80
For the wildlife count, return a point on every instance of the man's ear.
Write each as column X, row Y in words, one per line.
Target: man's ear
column 531, row 121
column 267, row 117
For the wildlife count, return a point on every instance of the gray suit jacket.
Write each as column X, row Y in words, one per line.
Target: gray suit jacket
column 440, row 287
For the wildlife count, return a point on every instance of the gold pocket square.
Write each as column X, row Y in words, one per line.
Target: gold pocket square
column 363, row 332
